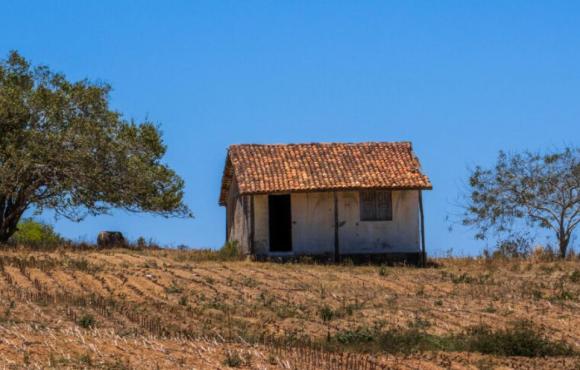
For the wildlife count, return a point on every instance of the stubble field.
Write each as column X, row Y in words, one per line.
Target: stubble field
column 181, row 309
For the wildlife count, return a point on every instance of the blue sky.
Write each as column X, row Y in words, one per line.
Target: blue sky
column 460, row 79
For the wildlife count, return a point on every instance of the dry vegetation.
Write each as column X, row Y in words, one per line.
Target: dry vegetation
column 170, row 309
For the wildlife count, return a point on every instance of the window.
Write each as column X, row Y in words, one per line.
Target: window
column 376, row 205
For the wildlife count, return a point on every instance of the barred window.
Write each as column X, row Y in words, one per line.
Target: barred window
column 376, row 205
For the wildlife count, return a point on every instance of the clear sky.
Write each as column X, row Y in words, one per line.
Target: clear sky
column 460, row 79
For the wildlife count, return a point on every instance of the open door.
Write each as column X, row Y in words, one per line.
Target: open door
column 280, row 223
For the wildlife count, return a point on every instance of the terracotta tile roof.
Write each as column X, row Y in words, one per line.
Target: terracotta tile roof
column 260, row 169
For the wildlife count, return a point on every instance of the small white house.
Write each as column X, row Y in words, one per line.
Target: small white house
column 326, row 200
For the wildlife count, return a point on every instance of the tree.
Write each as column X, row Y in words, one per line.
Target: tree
column 539, row 189
column 63, row 148
column 36, row 234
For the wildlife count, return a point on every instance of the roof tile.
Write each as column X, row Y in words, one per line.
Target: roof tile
column 260, row 169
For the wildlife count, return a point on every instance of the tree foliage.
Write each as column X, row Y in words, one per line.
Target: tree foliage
column 63, row 148
column 540, row 189
column 36, row 234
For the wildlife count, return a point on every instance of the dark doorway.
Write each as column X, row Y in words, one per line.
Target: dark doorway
column 280, row 216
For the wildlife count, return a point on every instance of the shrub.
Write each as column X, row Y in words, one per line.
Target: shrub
column 306, row 260
column 359, row 335
column 383, row 271
column 347, row 262
column 326, row 313
column 517, row 247
column 233, row 359
column 173, row 289
column 87, row 321
column 545, row 254
column 230, row 251
column 463, row 278
column 413, row 340
column 183, row 300
column 86, row 359
column 141, row 242
column 419, row 323
column 521, row 339
column 575, row 276
column 36, row 234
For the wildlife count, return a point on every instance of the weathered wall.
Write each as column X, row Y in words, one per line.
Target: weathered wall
column 261, row 240
column 238, row 226
column 313, row 225
column 401, row 235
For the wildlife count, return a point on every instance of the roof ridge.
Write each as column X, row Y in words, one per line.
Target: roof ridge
column 403, row 142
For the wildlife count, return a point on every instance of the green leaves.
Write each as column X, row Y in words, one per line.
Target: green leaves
column 63, row 148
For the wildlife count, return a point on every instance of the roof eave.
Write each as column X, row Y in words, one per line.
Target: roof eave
column 321, row 190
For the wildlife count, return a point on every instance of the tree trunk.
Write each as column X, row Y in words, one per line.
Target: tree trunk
column 9, row 217
column 563, row 246
column 7, row 231
column 8, row 226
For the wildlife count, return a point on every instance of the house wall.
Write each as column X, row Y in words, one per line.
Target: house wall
column 313, row 225
column 261, row 240
column 237, row 220
column 401, row 235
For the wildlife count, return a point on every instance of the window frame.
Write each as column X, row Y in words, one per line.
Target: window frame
column 372, row 214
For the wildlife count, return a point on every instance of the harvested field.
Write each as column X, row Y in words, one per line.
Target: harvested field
column 172, row 309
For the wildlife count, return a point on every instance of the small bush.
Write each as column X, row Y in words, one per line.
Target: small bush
column 383, row 271
column 575, row 276
column 183, row 300
column 306, row 260
column 413, row 340
column 347, row 262
column 82, row 264
column 87, row 321
column 490, row 309
column 326, row 313
column 359, row 335
column 517, row 247
column 36, row 234
column 521, row 339
column 233, row 359
column 173, row 288
column 544, row 254
column 462, row 279
column 86, row 359
column 230, row 251
column 419, row 323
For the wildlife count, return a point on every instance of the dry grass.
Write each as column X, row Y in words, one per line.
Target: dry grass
column 168, row 309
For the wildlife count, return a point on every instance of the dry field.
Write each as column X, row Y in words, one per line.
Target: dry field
column 121, row 309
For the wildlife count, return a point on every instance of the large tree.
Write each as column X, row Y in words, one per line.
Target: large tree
column 63, row 148
column 540, row 189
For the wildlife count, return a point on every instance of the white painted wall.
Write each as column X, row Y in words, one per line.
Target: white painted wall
column 401, row 235
column 261, row 239
column 313, row 225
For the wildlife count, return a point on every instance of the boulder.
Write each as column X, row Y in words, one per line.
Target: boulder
column 110, row 239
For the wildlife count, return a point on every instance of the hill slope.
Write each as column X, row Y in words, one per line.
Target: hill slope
column 167, row 309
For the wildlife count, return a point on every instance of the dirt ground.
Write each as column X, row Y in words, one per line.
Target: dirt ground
column 122, row 309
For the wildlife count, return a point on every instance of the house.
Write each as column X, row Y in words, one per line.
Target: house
column 327, row 200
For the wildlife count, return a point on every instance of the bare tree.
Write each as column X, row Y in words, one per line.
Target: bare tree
column 541, row 189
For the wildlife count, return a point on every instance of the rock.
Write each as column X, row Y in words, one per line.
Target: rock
column 110, row 239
